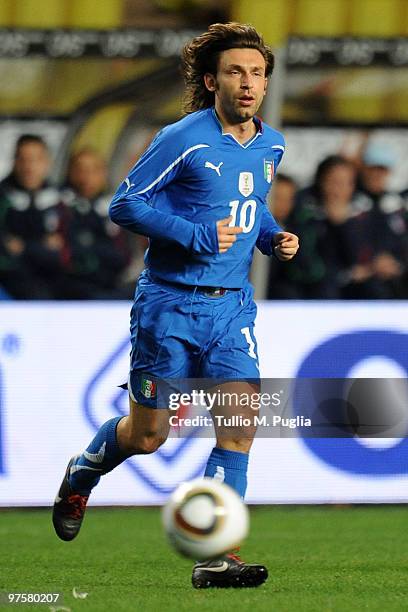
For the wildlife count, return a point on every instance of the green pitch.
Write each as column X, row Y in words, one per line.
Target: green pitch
column 320, row 560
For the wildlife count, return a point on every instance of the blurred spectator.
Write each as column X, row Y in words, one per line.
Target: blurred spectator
column 283, row 193
column 347, row 244
column 282, row 278
column 98, row 252
column 313, row 273
column 377, row 165
column 320, row 212
column 31, row 247
column 338, row 234
column 389, row 219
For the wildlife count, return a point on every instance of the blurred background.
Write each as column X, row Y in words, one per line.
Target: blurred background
column 85, row 86
column 95, row 81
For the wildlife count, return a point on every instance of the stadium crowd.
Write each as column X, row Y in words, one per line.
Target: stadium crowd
column 353, row 232
column 58, row 243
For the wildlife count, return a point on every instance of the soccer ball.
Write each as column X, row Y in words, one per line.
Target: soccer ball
column 205, row 518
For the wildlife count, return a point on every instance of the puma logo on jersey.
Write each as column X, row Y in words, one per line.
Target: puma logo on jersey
column 129, row 184
column 216, row 168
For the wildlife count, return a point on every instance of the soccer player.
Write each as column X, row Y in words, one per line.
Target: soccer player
column 199, row 194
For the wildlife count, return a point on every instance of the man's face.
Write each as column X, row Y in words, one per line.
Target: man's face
column 239, row 85
column 283, row 199
column 338, row 184
column 31, row 165
column 375, row 178
column 87, row 175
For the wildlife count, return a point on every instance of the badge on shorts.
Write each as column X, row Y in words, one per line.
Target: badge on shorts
column 148, row 388
column 246, row 183
column 268, row 170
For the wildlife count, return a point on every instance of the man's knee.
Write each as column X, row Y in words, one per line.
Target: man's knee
column 145, row 444
column 143, row 431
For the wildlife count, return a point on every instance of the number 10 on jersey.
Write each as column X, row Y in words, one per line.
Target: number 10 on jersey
column 246, row 214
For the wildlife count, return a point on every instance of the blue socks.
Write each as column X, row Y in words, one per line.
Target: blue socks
column 102, row 455
column 229, row 467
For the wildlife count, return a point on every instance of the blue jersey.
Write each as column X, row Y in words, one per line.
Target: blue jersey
column 191, row 176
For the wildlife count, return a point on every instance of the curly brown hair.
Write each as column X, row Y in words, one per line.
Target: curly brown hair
column 201, row 54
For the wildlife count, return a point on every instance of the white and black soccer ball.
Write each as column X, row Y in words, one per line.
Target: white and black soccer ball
column 205, row 518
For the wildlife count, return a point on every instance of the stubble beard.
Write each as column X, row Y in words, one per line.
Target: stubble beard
column 241, row 115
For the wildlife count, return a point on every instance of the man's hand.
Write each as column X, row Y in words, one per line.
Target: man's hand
column 386, row 267
column 54, row 242
column 286, row 245
column 360, row 273
column 226, row 234
column 14, row 245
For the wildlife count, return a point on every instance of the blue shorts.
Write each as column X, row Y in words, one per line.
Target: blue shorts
column 183, row 333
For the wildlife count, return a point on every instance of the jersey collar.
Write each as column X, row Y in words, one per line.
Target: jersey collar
column 259, row 130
